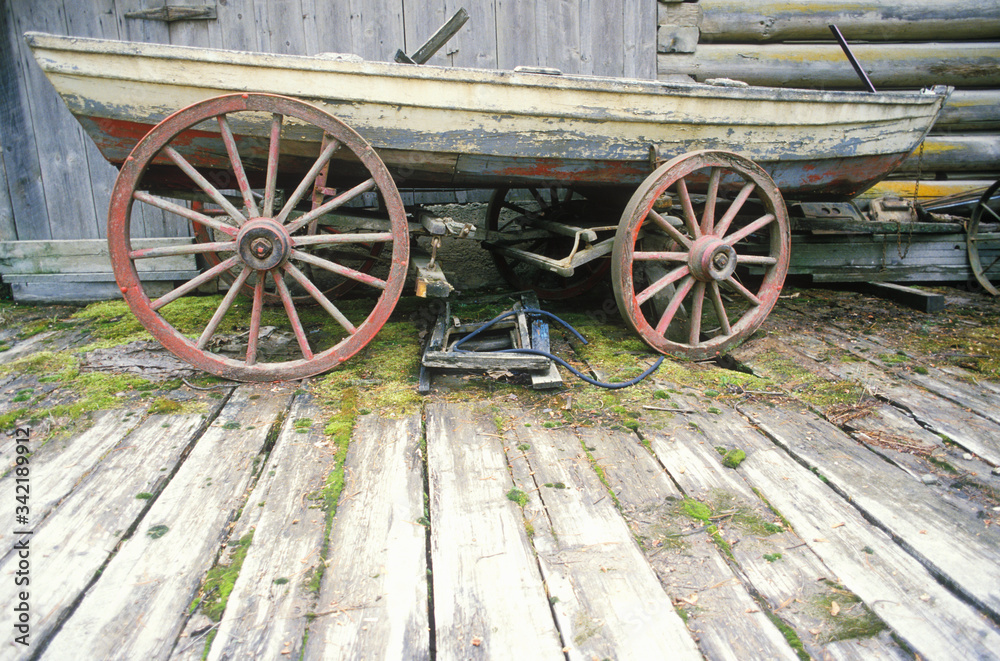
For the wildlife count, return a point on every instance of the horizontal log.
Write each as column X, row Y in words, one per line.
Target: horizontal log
column 679, row 13
column 970, row 110
column 733, row 21
column 925, row 191
column 890, row 66
column 974, row 152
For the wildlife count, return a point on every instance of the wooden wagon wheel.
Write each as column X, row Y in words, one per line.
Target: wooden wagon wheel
column 240, row 136
column 507, row 206
column 685, row 247
column 983, row 238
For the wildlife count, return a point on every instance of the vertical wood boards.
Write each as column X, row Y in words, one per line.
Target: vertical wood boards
column 372, row 602
column 607, row 599
column 943, row 533
column 83, row 532
column 377, row 28
column 265, row 615
column 139, row 606
column 729, row 622
column 488, row 596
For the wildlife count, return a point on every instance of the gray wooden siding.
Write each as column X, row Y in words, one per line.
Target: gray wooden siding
column 57, row 186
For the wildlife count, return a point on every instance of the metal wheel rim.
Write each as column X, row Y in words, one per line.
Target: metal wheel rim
column 702, row 291
column 123, row 258
column 973, row 238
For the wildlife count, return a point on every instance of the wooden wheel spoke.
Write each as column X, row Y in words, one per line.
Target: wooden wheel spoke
column 671, row 231
column 727, row 219
column 327, row 239
column 271, row 178
column 184, row 212
column 293, row 316
column 755, row 226
column 185, row 249
column 697, row 305
column 744, row 292
column 757, row 260
column 339, row 269
column 689, row 218
column 320, row 297
column 220, row 312
column 720, row 309
column 542, row 204
column 255, row 314
column 675, row 303
column 326, row 207
column 658, row 256
column 194, row 283
column 988, row 209
column 516, row 207
column 237, row 163
column 205, row 185
column 708, row 214
column 308, row 181
column 661, row 284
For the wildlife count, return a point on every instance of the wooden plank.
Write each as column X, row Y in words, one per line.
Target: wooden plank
column 917, row 299
column 778, row 565
column 945, row 534
column 59, row 465
column 377, row 28
column 606, row 596
column 139, row 605
column 333, row 27
column 104, row 507
column 859, row 20
column 8, row 228
column 58, row 138
column 268, row 605
column 488, row 596
column 84, row 256
column 890, row 66
column 24, row 176
column 373, row 599
column 729, row 622
column 927, row 617
column 517, row 34
column 640, row 40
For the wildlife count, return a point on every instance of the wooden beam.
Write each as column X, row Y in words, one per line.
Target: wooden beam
column 970, row 110
column 915, row 298
column 890, row 66
column 733, row 21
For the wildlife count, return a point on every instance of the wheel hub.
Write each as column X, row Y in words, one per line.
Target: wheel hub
column 263, row 244
column 711, row 259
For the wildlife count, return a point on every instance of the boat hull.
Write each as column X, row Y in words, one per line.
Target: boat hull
column 473, row 128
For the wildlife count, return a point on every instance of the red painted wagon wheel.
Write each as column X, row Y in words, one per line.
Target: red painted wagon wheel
column 506, row 206
column 242, row 135
column 701, row 254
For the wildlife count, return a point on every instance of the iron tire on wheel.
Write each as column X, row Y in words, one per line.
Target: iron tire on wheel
column 278, row 239
column 699, row 251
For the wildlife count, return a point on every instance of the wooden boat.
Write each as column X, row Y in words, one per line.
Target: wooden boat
column 268, row 152
column 465, row 127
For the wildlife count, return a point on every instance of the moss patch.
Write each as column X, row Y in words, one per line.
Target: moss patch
column 846, row 616
column 219, row 581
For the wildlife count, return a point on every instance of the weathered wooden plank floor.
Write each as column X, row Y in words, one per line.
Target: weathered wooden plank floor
column 474, row 531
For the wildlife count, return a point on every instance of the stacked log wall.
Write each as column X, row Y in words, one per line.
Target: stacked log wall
column 902, row 44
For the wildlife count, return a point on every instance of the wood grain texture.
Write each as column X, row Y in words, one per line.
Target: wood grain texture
column 265, row 616
column 791, row 582
column 88, row 524
column 943, row 532
column 489, row 600
column 373, row 599
column 729, row 622
column 140, row 603
column 927, row 617
column 609, row 601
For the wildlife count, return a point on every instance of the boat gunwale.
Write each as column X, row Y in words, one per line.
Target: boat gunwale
column 440, row 74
